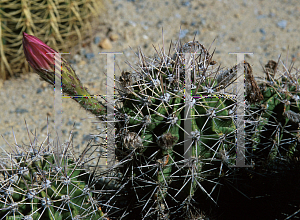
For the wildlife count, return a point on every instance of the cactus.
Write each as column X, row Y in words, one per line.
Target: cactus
column 182, row 100
column 274, row 136
column 36, row 186
column 60, row 23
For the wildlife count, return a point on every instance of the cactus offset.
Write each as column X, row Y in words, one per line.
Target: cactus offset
column 274, row 136
column 36, row 186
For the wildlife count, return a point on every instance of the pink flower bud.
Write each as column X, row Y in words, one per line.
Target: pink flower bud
column 36, row 51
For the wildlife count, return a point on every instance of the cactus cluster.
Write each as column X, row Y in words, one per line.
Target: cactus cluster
column 177, row 122
column 37, row 185
column 152, row 111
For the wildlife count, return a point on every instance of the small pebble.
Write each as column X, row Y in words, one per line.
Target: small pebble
column 75, row 134
column 197, row 32
column 159, row 24
column 82, row 52
column 177, row 15
column 77, row 125
column 261, row 16
column 99, row 127
column 21, row 110
column 262, row 30
column 183, row 33
column 7, row 133
column 186, row 3
column 105, row 44
column 44, row 85
column 203, row 21
column 39, row 90
column 282, row 24
column 82, row 63
column 86, row 138
column 272, row 15
column 70, row 122
column 132, row 23
column 77, row 57
column 97, row 40
column 72, row 61
column 114, row 37
column 119, row 6
column 89, row 55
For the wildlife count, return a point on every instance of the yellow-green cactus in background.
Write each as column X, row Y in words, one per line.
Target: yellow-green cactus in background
column 60, row 23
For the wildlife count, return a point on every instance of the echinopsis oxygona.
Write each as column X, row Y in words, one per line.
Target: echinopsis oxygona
column 151, row 137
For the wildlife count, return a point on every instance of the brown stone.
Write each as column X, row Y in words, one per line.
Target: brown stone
column 114, row 37
column 105, row 44
column 44, row 85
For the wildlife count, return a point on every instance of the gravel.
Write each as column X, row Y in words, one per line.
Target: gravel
column 282, row 24
column 233, row 25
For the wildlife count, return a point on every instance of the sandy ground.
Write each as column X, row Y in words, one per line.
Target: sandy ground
column 264, row 28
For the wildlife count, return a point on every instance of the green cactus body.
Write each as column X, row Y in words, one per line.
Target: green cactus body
column 275, row 135
column 157, row 180
column 154, row 110
column 34, row 187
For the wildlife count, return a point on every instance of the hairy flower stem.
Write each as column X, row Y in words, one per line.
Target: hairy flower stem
column 72, row 86
column 41, row 58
